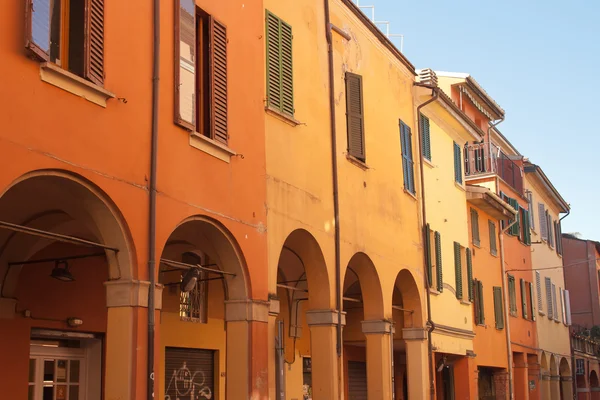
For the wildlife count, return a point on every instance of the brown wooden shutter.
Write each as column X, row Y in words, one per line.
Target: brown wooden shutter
column 355, row 116
column 185, row 47
column 37, row 28
column 94, row 41
column 218, row 78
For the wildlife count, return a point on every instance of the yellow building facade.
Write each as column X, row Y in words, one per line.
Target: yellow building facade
column 444, row 129
column 344, row 240
column 552, row 301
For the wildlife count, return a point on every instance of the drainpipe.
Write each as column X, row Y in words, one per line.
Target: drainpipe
column 336, row 204
column 506, row 312
column 573, row 366
column 152, row 200
column 435, row 94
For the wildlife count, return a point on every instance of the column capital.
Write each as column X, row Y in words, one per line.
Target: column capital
column 566, row 378
column 414, row 334
column 324, row 317
column 131, row 293
column 8, row 308
column 554, row 377
column 377, row 327
column 247, row 310
column 274, row 306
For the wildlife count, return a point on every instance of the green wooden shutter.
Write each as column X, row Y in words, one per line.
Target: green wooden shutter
column 492, row 232
column 481, row 303
column 428, row 256
column 280, row 76
column 287, row 72
column 498, row 308
column 458, row 271
column 523, row 298
column 476, row 303
column 469, row 274
column 273, row 43
column 512, row 297
column 354, row 116
column 457, row 164
column 526, row 227
column 475, row 227
column 438, row 262
column 514, row 230
column 407, row 159
column 426, row 136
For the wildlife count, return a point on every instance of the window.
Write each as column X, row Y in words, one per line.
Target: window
column 567, row 301
column 512, row 296
column 428, row 255
column 478, row 302
column 438, row 262
column 524, row 308
column 457, row 164
column 554, row 305
column 493, row 247
column 201, row 73
column 469, row 274
column 407, row 158
column 426, row 136
column 530, row 209
column 69, row 34
column 530, row 301
column 562, row 305
column 355, row 116
column 580, row 362
column 280, row 78
column 498, row 308
column 549, row 297
column 515, row 229
column 543, row 221
column 538, row 287
column 524, row 230
column 458, row 270
column 550, row 231
column 193, row 305
column 475, row 227
column 558, row 234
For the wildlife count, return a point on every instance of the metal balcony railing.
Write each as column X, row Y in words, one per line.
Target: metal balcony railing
column 487, row 158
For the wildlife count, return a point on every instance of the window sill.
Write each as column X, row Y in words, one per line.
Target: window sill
column 494, row 254
column 283, row 117
column 72, row 83
column 434, row 292
column 411, row 194
column 477, row 244
column 359, row 163
column 543, row 314
column 465, row 303
column 428, row 163
column 460, row 186
column 211, row 147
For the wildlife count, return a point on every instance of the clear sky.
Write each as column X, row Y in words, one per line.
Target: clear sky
column 540, row 61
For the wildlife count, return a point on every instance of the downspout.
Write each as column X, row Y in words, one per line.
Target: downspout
column 336, row 205
column 573, row 366
column 435, row 94
column 506, row 312
column 152, row 200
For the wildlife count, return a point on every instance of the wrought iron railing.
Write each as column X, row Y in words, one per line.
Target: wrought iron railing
column 487, row 158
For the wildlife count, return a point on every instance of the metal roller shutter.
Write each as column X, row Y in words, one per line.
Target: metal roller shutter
column 357, row 380
column 189, row 373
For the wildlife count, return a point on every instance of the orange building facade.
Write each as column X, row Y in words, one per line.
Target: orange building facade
column 75, row 189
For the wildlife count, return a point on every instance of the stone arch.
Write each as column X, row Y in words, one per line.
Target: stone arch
column 62, row 202
column 361, row 274
column 407, row 296
column 564, row 368
column 553, row 365
column 301, row 260
column 544, row 362
column 211, row 237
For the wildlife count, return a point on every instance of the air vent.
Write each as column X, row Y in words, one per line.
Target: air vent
column 428, row 77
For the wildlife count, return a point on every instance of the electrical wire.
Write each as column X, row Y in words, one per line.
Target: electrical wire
column 558, row 266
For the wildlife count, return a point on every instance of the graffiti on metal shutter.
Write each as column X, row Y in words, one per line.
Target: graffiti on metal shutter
column 189, row 374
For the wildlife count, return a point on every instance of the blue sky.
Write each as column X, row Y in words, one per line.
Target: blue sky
column 539, row 61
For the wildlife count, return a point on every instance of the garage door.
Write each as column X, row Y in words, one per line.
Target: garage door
column 357, row 380
column 189, row 373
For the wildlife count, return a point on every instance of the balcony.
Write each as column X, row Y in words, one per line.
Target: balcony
column 486, row 159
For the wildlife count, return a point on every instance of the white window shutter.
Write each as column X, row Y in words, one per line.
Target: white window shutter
column 567, row 307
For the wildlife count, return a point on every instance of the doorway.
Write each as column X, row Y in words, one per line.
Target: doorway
column 65, row 369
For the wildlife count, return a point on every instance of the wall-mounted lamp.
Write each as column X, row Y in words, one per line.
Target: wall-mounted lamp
column 188, row 282
column 62, row 273
column 74, row 322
